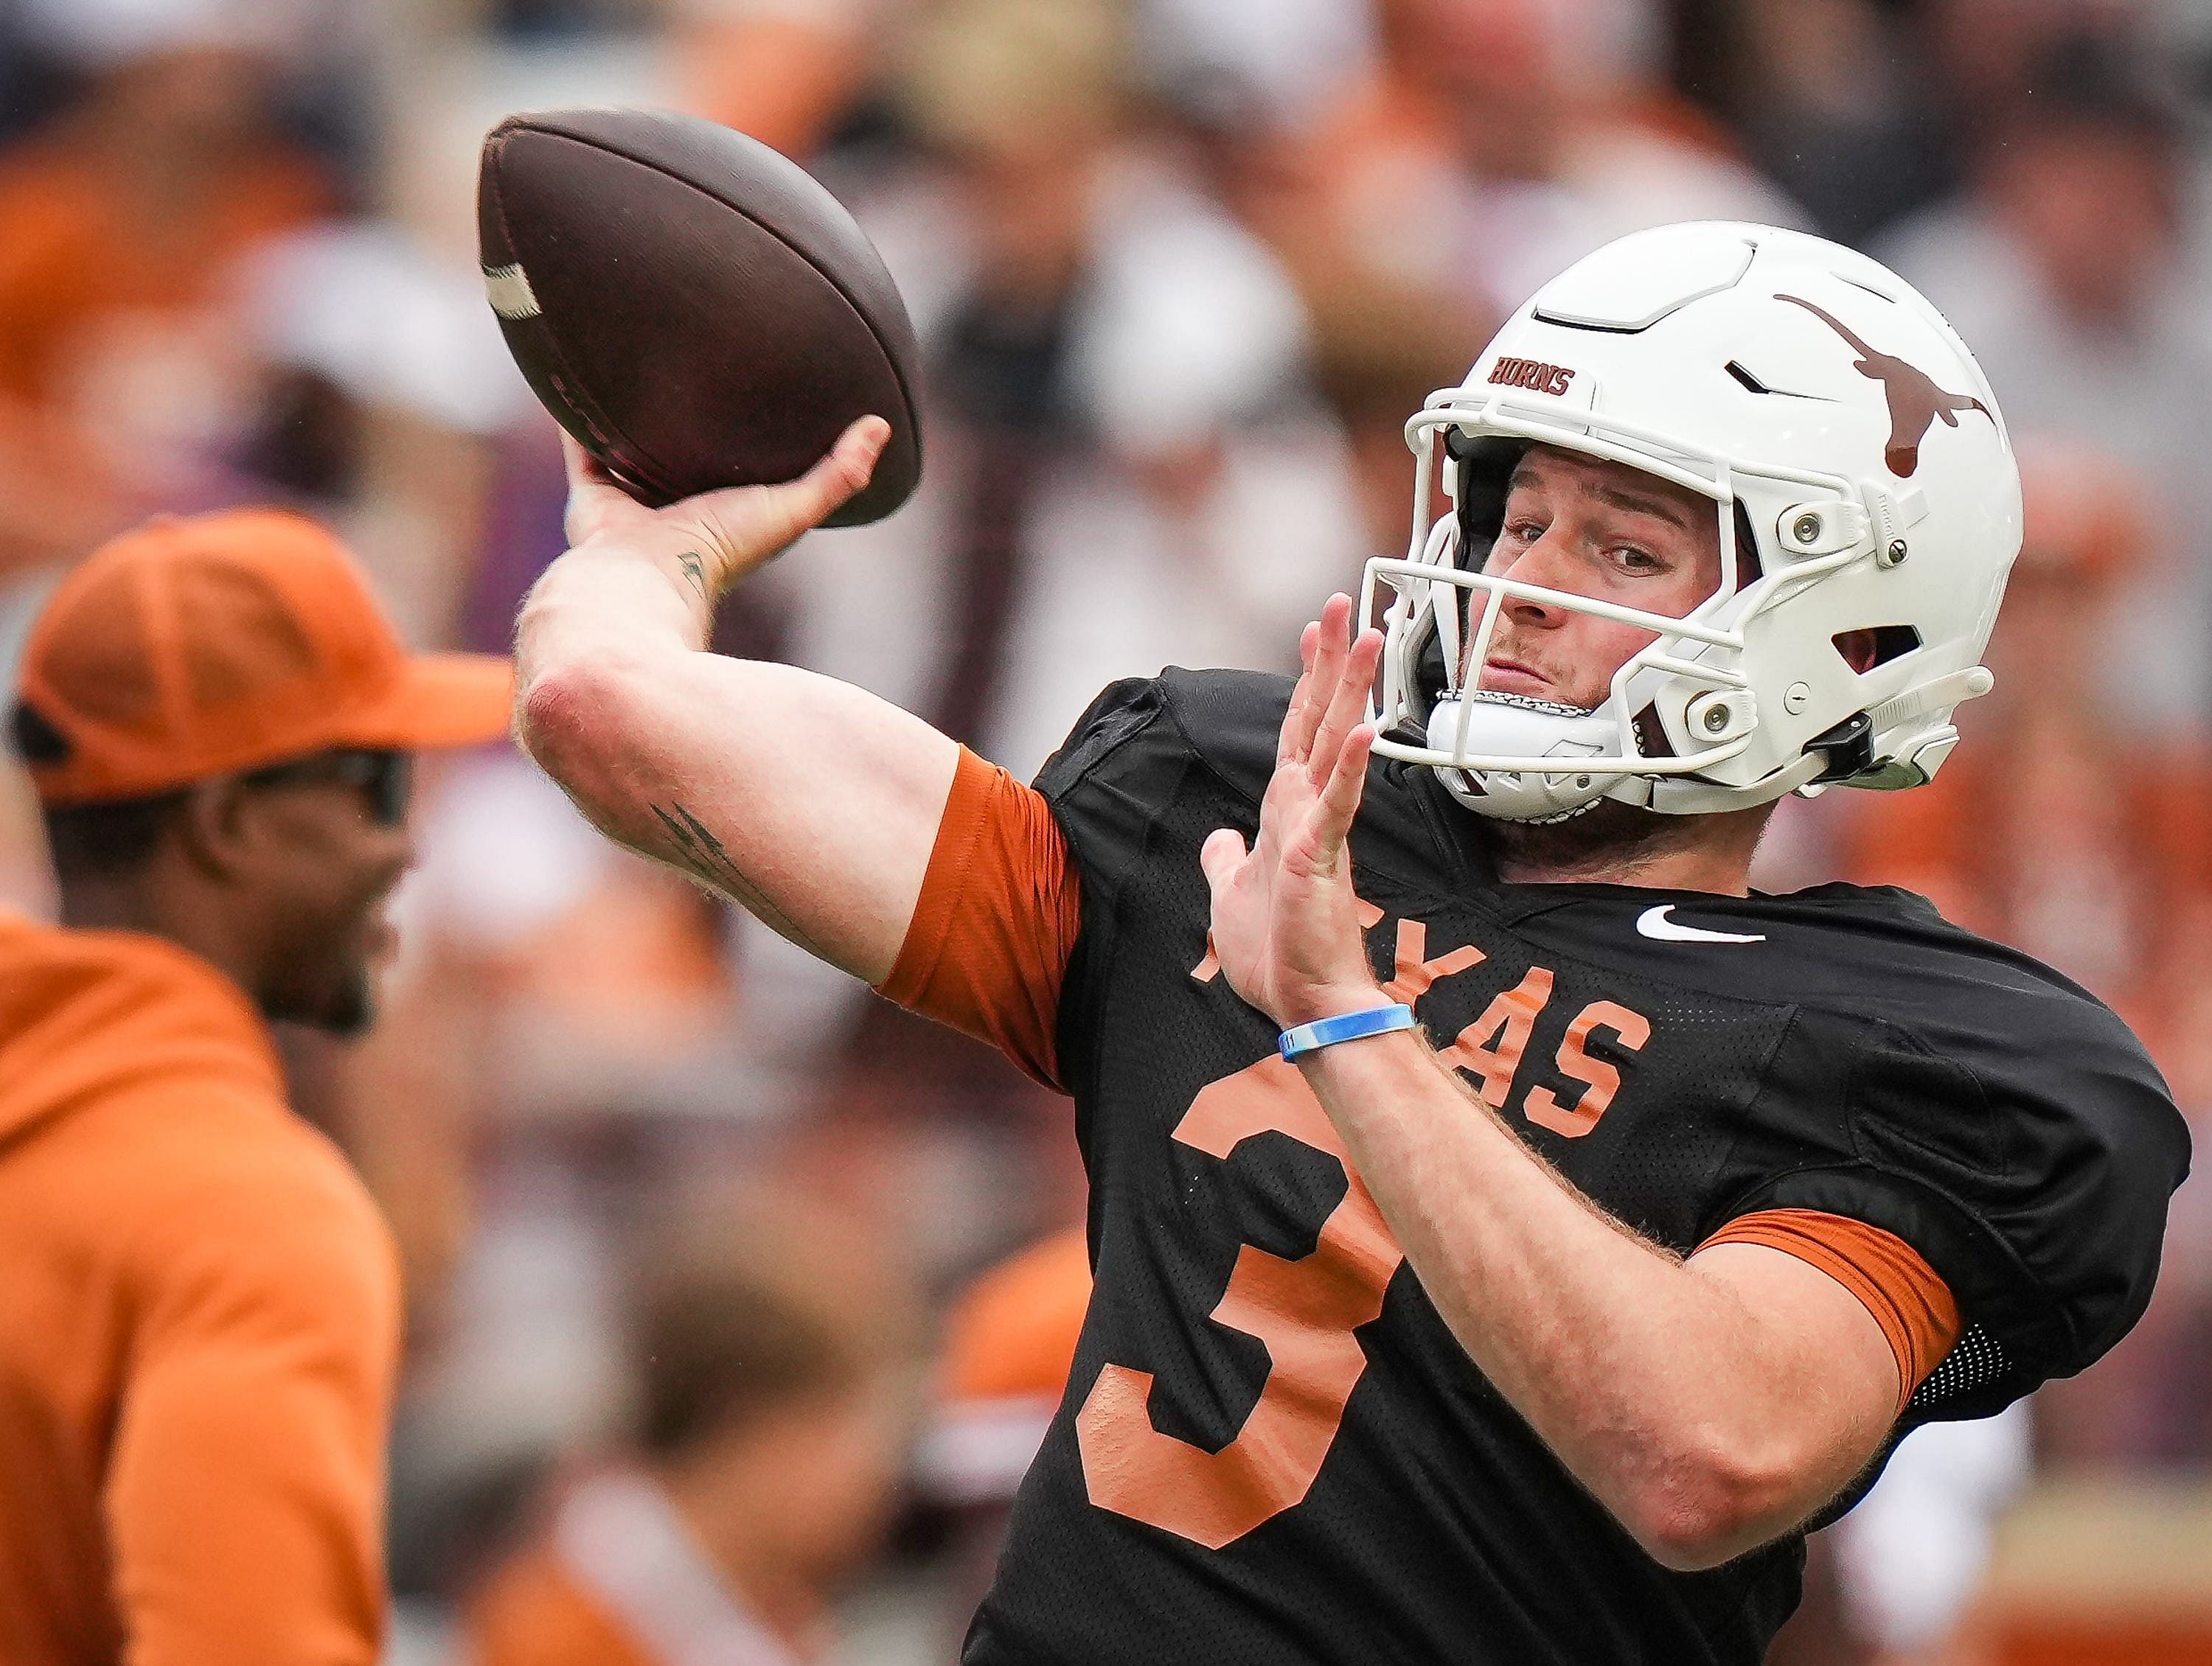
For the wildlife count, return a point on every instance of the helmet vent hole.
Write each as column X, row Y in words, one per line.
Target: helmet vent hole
column 1866, row 650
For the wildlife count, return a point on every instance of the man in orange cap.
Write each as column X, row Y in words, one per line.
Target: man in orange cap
column 199, row 1321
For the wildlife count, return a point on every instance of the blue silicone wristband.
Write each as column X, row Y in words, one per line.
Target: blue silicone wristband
column 1345, row 1026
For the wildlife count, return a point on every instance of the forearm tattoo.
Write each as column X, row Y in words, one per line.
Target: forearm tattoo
column 694, row 569
column 695, row 850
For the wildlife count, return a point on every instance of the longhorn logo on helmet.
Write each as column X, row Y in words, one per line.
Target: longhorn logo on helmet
column 1915, row 400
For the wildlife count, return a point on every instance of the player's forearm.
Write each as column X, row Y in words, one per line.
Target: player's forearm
column 811, row 804
column 637, row 600
column 1653, row 1382
column 603, row 636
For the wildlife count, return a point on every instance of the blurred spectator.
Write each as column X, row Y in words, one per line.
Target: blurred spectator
column 773, row 1352
column 2059, row 826
column 786, row 71
column 381, row 395
column 1841, row 101
column 1502, row 139
column 121, row 376
column 1009, row 1343
column 2066, row 266
column 1205, row 59
column 1376, row 362
column 1127, row 468
column 1145, row 479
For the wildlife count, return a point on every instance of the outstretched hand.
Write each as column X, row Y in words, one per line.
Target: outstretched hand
column 1285, row 923
column 733, row 532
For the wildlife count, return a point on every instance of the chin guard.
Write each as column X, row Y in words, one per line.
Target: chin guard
column 1494, row 722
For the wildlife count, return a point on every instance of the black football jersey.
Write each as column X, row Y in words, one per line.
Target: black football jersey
column 1272, row 1451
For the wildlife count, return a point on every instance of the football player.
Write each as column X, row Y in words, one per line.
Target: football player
column 1542, row 1330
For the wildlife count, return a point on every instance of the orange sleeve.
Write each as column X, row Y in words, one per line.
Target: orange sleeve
column 996, row 921
column 245, row 1490
column 1913, row 1305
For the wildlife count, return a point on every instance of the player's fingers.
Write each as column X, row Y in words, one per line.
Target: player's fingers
column 1221, row 857
column 589, row 483
column 749, row 525
column 857, row 450
column 1292, row 735
column 1300, row 719
column 850, row 464
column 1328, row 636
column 1346, row 702
column 1334, row 638
column 804, row 503
column 1339, row 804
column 1295, row 731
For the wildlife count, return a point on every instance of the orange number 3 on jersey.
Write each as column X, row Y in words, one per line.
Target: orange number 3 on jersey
column 1305, row 1311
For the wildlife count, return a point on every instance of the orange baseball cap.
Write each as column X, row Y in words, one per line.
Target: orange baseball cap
column 195, row 646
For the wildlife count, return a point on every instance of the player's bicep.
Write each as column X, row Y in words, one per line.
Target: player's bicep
column 811, row 803
column 1827, row 1376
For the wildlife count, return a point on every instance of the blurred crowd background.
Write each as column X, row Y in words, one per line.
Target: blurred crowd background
column 1182, row 269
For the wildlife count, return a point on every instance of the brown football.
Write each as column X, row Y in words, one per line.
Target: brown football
column 694, row 308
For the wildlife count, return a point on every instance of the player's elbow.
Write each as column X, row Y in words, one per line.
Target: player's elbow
column 1690, row 1536
column 1710, row 1506
column 578, row 718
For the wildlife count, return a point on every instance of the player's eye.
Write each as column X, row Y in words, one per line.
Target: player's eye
column 1642, row 562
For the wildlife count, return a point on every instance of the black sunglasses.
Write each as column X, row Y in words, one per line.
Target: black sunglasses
column 386, row 779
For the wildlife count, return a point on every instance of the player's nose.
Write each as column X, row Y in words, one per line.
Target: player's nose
column 1543, row 562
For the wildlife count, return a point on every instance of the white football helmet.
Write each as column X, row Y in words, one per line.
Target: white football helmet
column 1862, row 479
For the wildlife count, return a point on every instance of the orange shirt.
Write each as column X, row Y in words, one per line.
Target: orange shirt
column 76, row 249
column 199, row 1328
column 1012, row 1333
column 536, row 1613
column 616, row 1580
column 989, row 944
column 1009, row 1342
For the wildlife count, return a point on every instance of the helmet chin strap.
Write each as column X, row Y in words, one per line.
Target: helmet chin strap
column 1492, row 722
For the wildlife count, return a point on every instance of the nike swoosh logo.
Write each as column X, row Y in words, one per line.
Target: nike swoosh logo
column 1654, row 923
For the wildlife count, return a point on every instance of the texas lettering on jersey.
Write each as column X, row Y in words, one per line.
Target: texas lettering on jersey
column 1306, row 1311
